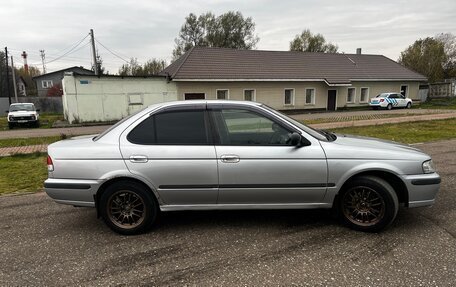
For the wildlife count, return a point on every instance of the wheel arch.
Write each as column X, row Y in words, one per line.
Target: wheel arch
column 396, row 183
column 113, row 180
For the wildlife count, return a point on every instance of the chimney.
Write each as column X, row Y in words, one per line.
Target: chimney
column 24, row 56
column 358, row 51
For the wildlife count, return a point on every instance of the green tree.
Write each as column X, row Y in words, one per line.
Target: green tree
column 151, row 67
column 229, row 30
column 426, row 56
column 3, row 79
column 308, row 42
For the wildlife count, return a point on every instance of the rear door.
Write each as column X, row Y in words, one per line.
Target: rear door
column 257, row 164
column 173, row 150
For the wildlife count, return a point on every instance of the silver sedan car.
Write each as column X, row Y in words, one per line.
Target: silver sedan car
column 213, row 155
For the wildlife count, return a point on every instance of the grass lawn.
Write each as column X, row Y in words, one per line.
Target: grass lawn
column 22, row 173
column 46, row 121
column 444, row 103
column 414, row 132
column 28, row 141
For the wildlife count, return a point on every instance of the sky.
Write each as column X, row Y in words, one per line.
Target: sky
column 147, row 29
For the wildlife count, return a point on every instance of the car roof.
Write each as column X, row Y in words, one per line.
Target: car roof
column 199, row 102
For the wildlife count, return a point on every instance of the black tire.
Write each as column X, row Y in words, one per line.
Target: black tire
column 409, row 105
column 368, row 204
column 389, row 106
column 10, row 126
column 128, row 207
column 37, row 124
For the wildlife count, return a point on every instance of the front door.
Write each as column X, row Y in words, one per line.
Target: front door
column 257, row 164
column 332, row 94
column 173, row 150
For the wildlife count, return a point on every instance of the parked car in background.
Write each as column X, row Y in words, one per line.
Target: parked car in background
column 218, row 155
column 23, row 114
column 390, row 100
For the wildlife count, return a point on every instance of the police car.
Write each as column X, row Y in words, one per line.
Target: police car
column 390, row 100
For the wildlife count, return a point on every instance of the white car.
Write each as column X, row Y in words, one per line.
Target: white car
column 390, row 100
column 23, row 114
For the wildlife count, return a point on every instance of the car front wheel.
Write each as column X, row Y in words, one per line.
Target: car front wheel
column 409, row 105
column 368, row 204
column 128, row 207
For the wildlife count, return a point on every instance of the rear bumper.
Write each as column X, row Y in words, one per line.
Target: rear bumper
column 72, row 191
column 422, row 189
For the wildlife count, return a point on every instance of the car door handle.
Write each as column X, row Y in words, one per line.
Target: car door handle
column 138, row 158
column 230, row 158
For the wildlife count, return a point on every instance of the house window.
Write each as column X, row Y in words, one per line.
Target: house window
column 249, row 95
column 289, row 97
column 46, row 84
column 310, row 96
column 351, row 93
column 364, row 95
column 223, row 94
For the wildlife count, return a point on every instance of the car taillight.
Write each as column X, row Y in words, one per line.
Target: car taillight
column 381, row 100
column 50, row 164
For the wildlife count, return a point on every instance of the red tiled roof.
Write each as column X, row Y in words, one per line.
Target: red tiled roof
column 203, row 63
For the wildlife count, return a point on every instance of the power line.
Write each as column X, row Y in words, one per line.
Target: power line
column 112, row 51
column 72, row 50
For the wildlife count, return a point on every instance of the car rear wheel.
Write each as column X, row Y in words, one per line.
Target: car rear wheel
column 409, row 105
column 128, row 207
column 368, row 204
column 389, row 106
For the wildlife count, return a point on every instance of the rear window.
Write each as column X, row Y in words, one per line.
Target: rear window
column 171, row 128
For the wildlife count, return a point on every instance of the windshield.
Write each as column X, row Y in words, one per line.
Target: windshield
column 22, row 107
column 320, row 135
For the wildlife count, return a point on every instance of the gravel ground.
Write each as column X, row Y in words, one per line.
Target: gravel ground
column 43, row 243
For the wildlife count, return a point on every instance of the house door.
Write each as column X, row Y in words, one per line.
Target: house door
column 331, row 100
column 404, row 90
column 194, row 96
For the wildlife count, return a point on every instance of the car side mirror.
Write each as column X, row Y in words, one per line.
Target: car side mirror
column 6, row 111
column 298, row 141
column 37, row 110
column 295, row 139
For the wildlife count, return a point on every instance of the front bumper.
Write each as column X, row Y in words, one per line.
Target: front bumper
column 76, row 192
column 422, row 188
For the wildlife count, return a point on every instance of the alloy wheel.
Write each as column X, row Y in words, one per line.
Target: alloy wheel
column 363, row 206
column 126, row 209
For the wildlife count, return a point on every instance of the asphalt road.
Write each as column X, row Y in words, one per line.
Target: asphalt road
column 43, row 243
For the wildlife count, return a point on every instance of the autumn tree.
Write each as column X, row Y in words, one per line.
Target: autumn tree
column 449, row 46
column 28, row 78
column 3, row 79
column 426, row 56
column 228, row 30
column 308, row 42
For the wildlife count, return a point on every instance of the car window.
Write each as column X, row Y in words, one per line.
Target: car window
column 244, row 127
column 171, row 128
column 22, row 107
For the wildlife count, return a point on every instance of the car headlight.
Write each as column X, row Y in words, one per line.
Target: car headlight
column 428, row 166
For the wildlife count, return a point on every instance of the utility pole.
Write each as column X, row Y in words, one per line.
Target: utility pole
column 95, row 64
column 7, row 75
column 43, row 56
column 14, row 79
